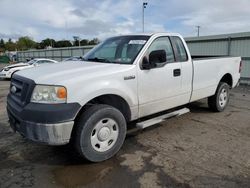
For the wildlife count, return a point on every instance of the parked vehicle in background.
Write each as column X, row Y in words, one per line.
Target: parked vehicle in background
column 74, row 58
column 123, row 79
column 9, row 70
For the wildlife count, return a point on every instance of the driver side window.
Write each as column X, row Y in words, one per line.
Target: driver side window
column 163, row 43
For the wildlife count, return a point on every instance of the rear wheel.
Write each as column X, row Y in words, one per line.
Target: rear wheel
column 218, row 102
column 100, row 133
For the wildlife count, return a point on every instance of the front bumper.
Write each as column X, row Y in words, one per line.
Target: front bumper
column 51, row 134
column 4, row 75
column 51, row 124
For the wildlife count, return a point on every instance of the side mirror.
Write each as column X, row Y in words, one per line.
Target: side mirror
column 157, row 56
column 145, row 63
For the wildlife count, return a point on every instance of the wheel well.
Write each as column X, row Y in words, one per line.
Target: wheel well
column 227, row 78
column 13, row 73
column 112, row 100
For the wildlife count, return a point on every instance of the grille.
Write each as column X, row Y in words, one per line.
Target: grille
column 20, row 89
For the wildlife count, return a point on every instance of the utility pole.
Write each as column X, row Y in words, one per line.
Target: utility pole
column 66, row 28
column 198, row 30
column 144, row 5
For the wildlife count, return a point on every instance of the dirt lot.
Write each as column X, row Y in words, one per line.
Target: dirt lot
column 199, row 149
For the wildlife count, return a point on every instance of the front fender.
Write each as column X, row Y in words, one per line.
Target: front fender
column 125, row 89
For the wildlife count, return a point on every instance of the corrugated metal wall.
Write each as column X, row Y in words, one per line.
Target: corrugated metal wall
column 208, row 48
column 242, row 47
column 57, row 54
column 237, row 44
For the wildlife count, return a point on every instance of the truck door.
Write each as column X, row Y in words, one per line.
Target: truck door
column 159, row 88
column 181, row 55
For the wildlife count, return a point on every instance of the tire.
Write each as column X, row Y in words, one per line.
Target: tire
column 100, row 132
column 219, row 101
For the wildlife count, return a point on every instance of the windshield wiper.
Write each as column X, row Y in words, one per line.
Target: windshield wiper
column 100, row 60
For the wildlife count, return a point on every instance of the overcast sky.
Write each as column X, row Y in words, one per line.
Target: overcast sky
column 62, row 19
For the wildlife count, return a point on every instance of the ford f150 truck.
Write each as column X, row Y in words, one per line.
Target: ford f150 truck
column 125, row 78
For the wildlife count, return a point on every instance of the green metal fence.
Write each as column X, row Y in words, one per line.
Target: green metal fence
column 4, row 59
column 236, row 44
column 57, row 54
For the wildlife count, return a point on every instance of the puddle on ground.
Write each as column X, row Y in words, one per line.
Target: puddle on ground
column 3, row 155
column 120, row 170
column 109, row 173
column 76, row 175
column 105, row 174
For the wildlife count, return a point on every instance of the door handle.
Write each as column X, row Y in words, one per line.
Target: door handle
column 177, row 72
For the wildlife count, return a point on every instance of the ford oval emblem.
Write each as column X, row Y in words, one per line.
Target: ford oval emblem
column 13, row 89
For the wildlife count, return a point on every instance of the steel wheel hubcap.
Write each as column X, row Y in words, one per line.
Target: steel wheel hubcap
column 223, row 98
column 104, row 135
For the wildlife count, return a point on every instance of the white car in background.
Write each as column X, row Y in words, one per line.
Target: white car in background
column 8, row 71
column 74, row 58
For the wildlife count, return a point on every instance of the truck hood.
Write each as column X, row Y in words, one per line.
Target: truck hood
column 65, row 72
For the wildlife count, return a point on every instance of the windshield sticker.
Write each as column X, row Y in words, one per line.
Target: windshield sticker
column 137, row 42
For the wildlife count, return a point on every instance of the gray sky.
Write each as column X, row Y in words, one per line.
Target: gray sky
column 62, row 19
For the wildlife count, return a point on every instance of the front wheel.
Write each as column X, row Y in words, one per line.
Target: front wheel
column 100, row 132
column 218, row 102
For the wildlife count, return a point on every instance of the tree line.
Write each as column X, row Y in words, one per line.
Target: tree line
column 26, row 43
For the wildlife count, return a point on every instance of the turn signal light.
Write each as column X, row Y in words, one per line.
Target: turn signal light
column 61, row 93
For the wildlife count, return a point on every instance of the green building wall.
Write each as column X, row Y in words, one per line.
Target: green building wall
column 235, row 44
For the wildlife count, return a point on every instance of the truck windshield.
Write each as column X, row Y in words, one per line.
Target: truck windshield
column 120, row 50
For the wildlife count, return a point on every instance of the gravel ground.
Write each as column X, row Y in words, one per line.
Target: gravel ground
column 198, row 149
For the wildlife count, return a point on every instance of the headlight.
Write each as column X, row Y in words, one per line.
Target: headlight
column 49, row 94
column 6, row 69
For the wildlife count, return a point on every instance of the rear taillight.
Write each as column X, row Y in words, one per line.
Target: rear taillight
column 240, row 67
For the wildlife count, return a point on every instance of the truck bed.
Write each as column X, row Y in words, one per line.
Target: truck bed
column 209, row 70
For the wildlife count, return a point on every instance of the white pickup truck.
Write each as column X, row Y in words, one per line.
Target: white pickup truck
column 123, row 79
